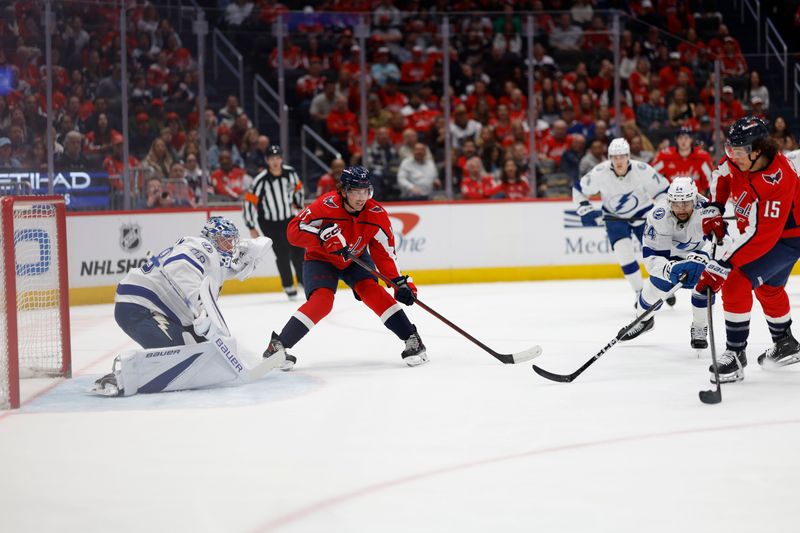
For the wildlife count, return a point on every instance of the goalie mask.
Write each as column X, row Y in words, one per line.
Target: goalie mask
column 682, row 195
column 224, row 236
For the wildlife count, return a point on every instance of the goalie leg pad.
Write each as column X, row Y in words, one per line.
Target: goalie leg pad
column 179, row 368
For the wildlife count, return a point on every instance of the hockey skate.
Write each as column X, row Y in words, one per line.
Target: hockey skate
column 699, row 336
column 275, row 348
column 671, row 301
column 638, row 329
column 106, row 386
column 785, row 351
column 291, row 292
column 730, row 366
column 414, row 354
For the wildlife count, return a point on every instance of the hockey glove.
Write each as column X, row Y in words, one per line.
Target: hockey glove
column 406, row 291
column 713, row 224
column 332, row 240
column 692, row 266
column 588, row 214
column 248, row 254
column 202, row 322
column 714, row 276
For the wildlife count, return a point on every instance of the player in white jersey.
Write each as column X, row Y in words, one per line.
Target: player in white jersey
column 628, row 189
column 673, row 245
column 168, row 306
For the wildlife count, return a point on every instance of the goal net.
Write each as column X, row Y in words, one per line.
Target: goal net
column 34, row 301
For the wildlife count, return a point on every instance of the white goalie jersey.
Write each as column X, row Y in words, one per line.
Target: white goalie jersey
column 629, row 196
column 186, row 264
column 666, row 239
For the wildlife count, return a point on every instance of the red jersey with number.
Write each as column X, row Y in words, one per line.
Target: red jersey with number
column 369, row 228
column 766, row 204
column 670, row 163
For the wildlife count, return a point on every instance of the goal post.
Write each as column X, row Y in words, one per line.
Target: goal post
column 34, row 301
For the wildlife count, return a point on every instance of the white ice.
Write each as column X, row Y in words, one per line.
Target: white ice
column 354, row 441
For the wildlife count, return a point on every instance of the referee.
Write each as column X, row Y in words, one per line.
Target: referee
column 272, row 201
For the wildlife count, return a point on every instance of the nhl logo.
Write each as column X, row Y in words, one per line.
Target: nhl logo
column 130, row 237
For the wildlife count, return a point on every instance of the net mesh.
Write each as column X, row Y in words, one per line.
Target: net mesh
column 37, row 275
column 4, row 379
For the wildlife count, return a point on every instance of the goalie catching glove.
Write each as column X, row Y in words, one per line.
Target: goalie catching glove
column 248, row 255
column 692, row 266
column 406, row 291
column 332, row 240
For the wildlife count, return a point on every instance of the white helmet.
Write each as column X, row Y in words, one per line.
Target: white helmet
column 619, row 146
column 682, row 189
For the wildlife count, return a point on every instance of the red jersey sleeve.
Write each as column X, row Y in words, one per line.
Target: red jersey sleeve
column 772, row 192
column 381, row 246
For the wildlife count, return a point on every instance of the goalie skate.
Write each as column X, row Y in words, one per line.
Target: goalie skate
column 785, row 351
column 106, row 386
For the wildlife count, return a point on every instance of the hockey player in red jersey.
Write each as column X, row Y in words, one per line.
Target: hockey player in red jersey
column 763, row 186
column 685, row 159
column 338, row 225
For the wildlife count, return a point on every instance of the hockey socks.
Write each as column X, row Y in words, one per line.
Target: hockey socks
column 623, row 251
column 383, row 305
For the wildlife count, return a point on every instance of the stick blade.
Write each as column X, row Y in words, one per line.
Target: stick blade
column 561, row 378
column 710, row 396
column 527, row 355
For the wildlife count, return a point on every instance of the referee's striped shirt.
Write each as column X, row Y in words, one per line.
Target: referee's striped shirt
column 272, row 198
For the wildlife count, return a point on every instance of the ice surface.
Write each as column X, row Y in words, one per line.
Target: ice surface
column 354, row 441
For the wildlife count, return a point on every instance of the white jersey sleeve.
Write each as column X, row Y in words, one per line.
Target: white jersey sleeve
column 628, row 196
column 184, row 265
column 588, row 185
column 653, row 183
column 665, row 239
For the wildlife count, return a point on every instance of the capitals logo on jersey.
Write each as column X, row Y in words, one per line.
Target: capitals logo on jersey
column 624, row 203
column 741, row 208
column 773, row 179
column 330, row 202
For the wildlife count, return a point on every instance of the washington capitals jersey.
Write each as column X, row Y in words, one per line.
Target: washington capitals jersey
column 369, row 228
column 696, row 165
column 628, row 196
column 766, row 204
column 186, row 263
column 666, row 239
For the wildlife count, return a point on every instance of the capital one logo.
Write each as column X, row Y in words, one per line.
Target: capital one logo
column 402, row 226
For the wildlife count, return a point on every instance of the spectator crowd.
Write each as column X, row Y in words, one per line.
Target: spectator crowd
column 667, row 88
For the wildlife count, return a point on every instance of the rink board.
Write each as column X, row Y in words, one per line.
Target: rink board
column 437, row 242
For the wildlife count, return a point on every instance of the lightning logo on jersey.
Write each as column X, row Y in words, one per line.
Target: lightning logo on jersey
column 162, row 323
column 622, row 204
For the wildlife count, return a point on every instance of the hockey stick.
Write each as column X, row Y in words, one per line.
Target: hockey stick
column 568, row 378
column 511, row 358
column 712, row 396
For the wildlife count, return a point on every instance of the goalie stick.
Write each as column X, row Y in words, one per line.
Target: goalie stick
column 511, row 358
column 569, row 378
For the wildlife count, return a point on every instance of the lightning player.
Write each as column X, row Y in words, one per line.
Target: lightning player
column 168, row 306
column 673, row 246
column 628, row 189
column 340, row 224
column 763, row 187
column 685, row 159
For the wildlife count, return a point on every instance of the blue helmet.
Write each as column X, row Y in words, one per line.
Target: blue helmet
column 223, row 235
column 356, row 177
